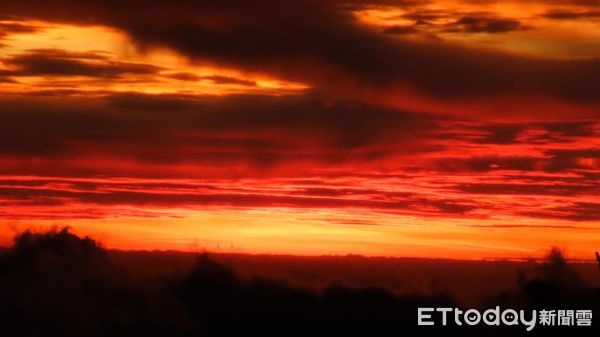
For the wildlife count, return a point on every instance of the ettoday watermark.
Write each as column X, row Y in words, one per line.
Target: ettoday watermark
column 496, row 317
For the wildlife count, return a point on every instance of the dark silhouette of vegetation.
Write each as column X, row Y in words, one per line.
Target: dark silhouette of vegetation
column 58, row 284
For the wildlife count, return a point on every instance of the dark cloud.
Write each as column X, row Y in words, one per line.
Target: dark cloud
column 488, row 163
column 319, row 41
column 578, row 211
column 337, row 192
column 520, row 133
column 451, row 207
column 501, row 134
column 205, row 129
column 545, row 132
column 550, row 188
column 401, row 30
column 572, row 15
column 50, row 62
column 563, row 159
column 484, row 24
column 551, row 160
column 9, row 28
column 572, row 128
column 184, row 76
column 425, row 16
column 434, row 24
column 216, row 79
column 266, row 131
column 228, row 80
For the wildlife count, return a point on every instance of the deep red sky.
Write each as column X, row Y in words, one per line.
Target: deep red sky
column 464, row 129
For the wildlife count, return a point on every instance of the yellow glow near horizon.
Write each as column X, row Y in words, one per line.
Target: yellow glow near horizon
column 285, row 231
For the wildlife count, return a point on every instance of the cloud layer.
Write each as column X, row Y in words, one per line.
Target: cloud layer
column 482, row 115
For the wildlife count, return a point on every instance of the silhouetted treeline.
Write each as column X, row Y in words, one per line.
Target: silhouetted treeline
column 58, row 284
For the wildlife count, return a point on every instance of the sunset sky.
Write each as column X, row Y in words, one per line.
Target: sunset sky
column 445, row 128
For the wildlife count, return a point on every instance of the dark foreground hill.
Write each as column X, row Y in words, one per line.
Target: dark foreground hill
column 58, row 284
column 469, row 282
